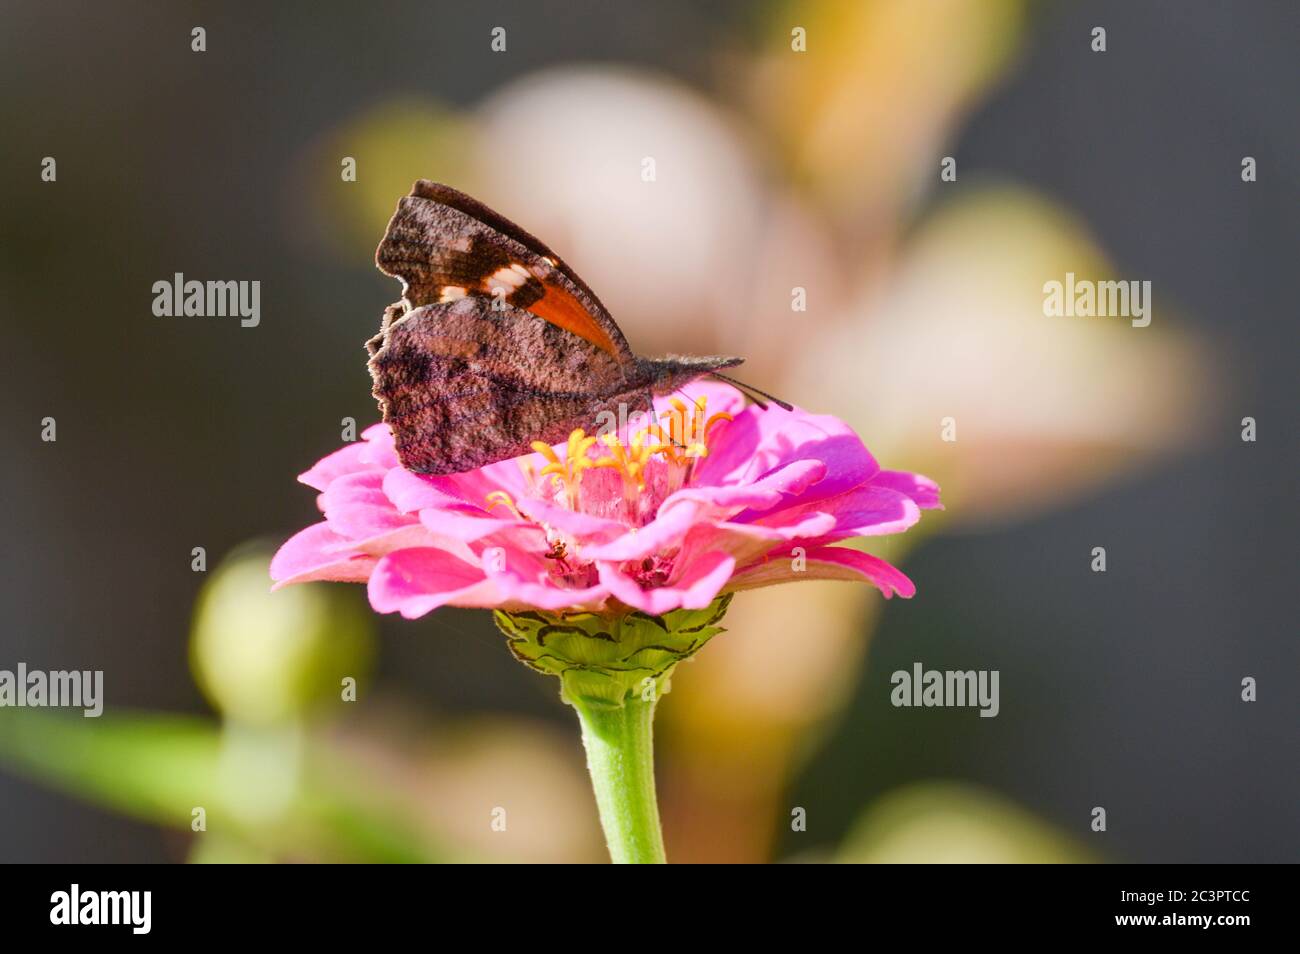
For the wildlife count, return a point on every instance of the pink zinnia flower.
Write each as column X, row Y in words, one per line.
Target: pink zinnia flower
column 716, row 497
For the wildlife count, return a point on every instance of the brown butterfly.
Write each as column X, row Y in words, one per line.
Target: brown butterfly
column 496, row 343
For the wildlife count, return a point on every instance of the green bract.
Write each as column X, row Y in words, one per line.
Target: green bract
column 605, row 659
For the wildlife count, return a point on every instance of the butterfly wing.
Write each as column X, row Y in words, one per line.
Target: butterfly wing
column 468, row 382
column 445, row 245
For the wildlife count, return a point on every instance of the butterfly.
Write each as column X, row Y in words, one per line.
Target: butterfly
column 496, row 343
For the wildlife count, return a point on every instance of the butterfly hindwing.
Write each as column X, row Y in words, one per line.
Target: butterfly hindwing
column 467, row 382
column 445, row 245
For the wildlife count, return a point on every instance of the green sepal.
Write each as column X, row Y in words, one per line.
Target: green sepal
column 602, row 659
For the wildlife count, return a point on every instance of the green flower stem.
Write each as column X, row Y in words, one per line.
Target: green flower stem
column 620, row 757
column 609, row 666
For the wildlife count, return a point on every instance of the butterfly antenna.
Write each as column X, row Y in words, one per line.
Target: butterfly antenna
column 751, row 391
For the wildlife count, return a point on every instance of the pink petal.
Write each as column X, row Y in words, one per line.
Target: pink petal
column 397, row 538
column 468, row 527
column 801, row 523
column 409, row 492
column 694, row 506
column 861, row 512
column 347, row 460
column 315, row 554
column 356, row 506
column 826, row 563
column 777, row 486
column 701, row 581
column 580, row 525
column 921, row 489
column 518, row 587
column 417, row 581
column 473, row 487
column 759, row 442
column 379, row 432
column 667, row 529
column 379, row 449
column 751, row 541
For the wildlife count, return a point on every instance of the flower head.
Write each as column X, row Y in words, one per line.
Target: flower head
column 712, row 497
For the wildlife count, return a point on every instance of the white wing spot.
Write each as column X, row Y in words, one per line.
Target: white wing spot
column 506, row 279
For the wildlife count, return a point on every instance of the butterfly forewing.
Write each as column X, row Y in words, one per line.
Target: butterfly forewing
column 445, row 245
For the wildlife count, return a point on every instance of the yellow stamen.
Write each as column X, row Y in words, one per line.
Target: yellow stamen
column 546, row 450
column 567, row 473
column 715, row 419
column 682, row 439
column 631, row 461
column 688, row 434
column 499, row 498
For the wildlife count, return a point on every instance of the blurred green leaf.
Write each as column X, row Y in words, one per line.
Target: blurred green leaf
column 158, row 768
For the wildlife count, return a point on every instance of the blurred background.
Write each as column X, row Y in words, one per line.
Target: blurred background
column 775, row 169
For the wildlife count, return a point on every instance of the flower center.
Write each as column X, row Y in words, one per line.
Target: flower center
column 607, row 476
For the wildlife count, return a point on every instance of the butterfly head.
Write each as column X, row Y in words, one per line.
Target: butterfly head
column 666, row 375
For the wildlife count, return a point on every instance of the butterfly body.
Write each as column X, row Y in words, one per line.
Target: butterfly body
column 497, row 343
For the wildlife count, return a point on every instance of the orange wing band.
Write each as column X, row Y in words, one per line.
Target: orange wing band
column 564, row 311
